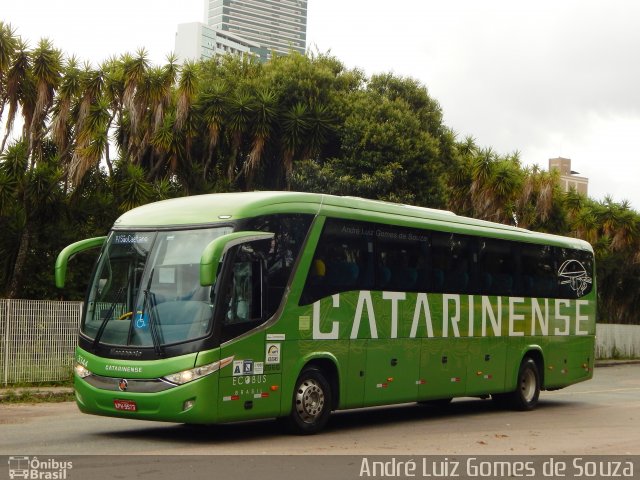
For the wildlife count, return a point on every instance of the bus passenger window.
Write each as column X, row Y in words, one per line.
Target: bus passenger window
column 451, row 270
column 575, row 273
column 290, row 231
column 538, row 271
column 241, row 297
column 242, row 300
column 496, row 267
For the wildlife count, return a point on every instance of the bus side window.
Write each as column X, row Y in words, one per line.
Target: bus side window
column 496, row 267
column 538, row 271
column 342, row 262
column 290, row 232
column 574, row 273
column 243, row 296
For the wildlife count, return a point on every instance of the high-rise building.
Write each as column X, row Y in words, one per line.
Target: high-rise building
column 197, row 41
column 569, row 178
column 256, row 27
column 276, row 25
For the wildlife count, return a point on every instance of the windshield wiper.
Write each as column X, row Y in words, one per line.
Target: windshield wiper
column 150, row 299
column 107, row 317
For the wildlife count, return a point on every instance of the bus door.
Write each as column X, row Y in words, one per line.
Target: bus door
column 245, row 389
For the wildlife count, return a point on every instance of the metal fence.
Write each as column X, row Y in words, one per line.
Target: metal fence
column 37, row 340
column 617, row 341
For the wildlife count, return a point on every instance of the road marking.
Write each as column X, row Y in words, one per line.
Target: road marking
column 573, row 392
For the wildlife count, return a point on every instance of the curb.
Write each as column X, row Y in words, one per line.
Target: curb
column 615, row 363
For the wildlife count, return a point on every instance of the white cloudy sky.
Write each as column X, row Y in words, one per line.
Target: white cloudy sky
column 548, row 78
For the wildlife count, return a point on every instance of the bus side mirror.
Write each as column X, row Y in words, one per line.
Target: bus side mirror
column 213, row 253
column 69, row 251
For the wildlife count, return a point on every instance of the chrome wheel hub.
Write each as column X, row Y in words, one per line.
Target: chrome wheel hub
column 528, row 386
column 309, row 400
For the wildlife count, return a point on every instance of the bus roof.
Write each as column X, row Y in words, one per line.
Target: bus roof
column 225, row 207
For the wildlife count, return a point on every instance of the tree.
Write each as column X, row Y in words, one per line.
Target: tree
column 8, row 46
column 46, row 72
column 39, row 203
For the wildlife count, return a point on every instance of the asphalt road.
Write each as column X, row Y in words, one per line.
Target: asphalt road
column 598, row 417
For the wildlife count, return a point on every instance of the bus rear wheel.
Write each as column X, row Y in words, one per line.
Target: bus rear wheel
column 525, row 396
column 312, row 400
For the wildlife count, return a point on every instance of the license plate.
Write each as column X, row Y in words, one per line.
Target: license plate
column 126, row 405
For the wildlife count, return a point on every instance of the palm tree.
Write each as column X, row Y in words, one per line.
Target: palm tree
column 240, row 115
column 187, row 86
column 19, row 90
column 38, row 189
column 265, row 110
column 294, row 127
column 8, row 46
column 132, row 188
column 320, row 125
column 481, row 194
column 161, row 81
column 113, row 92
column 212, row 108
column 46, row 70
column 67, row 94
column 134, row 69
column 92, row 140
column 535, row 200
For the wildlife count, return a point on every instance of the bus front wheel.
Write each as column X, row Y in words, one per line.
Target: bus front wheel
column 525, row 396
column 311, row 402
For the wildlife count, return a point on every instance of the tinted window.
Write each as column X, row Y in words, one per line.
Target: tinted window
column 575, row 273
column 242, row 296
column 451, row 265
column 364, row 256
column 290, row 233
column 538, row 271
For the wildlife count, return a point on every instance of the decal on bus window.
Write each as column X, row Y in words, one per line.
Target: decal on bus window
column 574, row 274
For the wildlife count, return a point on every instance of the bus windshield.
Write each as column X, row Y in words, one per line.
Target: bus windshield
column 146, row 289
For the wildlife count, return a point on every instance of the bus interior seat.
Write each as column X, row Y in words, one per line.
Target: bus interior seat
column 404, row 278
column 384, row 276
column 486, row 280
column 456, row 282
column 502, row 284
column 527, row 285
column 437, row 280
column 342, row 274
column 543, row 286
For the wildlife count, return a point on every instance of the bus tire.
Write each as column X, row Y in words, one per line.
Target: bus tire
column 525, row 396
column 311, row 405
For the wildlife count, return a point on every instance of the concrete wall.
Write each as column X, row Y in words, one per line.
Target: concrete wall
column 617, row 341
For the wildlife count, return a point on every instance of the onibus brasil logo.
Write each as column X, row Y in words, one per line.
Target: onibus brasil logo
column 33, row 468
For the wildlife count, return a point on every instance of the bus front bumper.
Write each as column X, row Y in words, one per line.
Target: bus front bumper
column 194, row 402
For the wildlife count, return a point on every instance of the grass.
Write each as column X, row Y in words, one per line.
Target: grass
column 12, row 396
column 58, row 383
column 36, row 392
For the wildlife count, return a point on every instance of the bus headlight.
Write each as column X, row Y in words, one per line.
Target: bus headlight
column 192, row 374
column 81, row 370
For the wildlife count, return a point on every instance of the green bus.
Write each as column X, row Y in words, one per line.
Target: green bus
column 227, row 307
